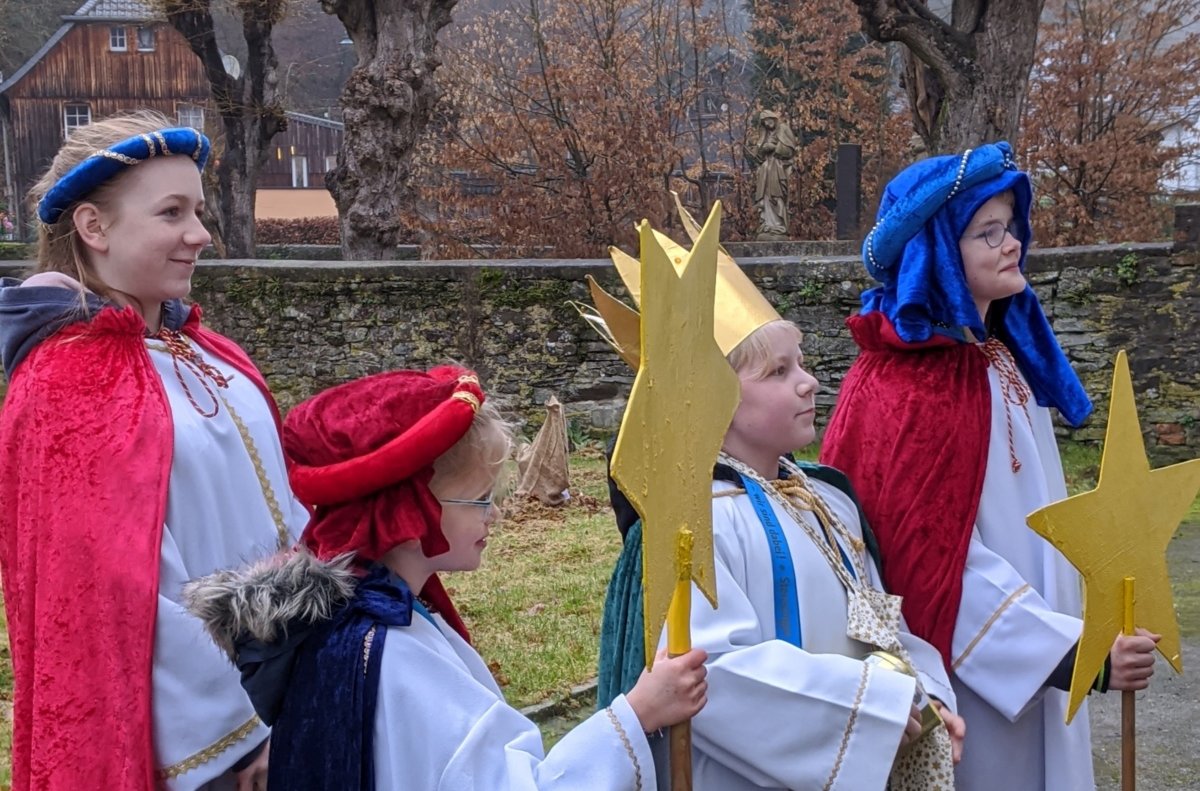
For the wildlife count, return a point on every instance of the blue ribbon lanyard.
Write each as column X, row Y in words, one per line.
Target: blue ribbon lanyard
column 421, row 610
column 787, row 607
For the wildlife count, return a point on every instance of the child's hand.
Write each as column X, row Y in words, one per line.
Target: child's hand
column 1133, row 660
column 912, row 729
column 254, row 776
column 956, row 726
column 675, row 691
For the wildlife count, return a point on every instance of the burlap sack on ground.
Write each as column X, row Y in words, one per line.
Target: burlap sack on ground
column 542, row 464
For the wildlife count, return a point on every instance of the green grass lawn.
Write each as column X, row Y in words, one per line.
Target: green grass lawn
column 534, row 607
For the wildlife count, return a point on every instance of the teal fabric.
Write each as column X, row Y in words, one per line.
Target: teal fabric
column 622, row 641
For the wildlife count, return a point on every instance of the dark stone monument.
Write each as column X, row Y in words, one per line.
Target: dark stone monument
column 1187, row 226
column 848, row 190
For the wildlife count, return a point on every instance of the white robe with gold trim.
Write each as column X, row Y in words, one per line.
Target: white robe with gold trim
column 1018, row 617
column 442, row 724
column 218, row 517
column 781, row 717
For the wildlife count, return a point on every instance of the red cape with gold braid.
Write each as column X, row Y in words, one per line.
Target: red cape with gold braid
column 86, row 442
column 916, row 452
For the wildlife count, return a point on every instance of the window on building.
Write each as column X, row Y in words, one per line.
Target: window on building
column 75, row 116
column 330, row 162
column 299, row 171
column 145, row 39
column 191, row 115
column 116, row 39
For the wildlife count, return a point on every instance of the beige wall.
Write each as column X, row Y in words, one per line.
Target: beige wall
column 288, row 204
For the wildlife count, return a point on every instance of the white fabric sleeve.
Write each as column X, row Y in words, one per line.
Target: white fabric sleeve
column 203, row 720
column 1007, row 639
column 782, row 717
column 438, row 726
column 931, row 670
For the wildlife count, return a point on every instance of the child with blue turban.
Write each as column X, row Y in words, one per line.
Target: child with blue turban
column 943, row 426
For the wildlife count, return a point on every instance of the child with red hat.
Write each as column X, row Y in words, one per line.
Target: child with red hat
column 351, row 646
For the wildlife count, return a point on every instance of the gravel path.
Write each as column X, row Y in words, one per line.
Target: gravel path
column 1168, row 730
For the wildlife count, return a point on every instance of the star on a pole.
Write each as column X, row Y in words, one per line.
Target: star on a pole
column 1121, row 529
column 682, row 402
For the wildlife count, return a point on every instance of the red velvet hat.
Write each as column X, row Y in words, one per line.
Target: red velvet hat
column 362, row 453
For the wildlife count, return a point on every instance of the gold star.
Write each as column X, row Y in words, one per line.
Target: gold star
column 1121, row 529
column 682, row 401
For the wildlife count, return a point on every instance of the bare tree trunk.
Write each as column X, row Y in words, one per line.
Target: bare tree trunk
column 967, row 79
column 386, row 104
column 248, row 108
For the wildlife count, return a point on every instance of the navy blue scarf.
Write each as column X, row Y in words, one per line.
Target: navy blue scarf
column 322, row 739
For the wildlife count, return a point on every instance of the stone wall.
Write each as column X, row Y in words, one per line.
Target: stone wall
column 313, row 324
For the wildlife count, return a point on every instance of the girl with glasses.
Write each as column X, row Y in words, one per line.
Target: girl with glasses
column 943, row 426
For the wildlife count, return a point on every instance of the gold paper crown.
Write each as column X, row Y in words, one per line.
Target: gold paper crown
column 740, row 309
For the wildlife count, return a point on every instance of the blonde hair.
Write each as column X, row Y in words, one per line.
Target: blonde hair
column 485, row 447
column 59, row 246
column 753, row 355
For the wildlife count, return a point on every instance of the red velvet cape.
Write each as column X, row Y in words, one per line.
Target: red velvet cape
column 86, row 440
column 911, row 430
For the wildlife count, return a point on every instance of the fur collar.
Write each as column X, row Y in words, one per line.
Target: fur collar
column 291, row 590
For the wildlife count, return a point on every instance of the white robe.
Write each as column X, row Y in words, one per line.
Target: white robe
column 217, row 517
column 779, row 717
column 442, row 725
column 1018, row 617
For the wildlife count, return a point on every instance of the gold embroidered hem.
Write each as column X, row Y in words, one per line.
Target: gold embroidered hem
column 858, row 699
column 637, row 767
column 1012, row 597
column 269, row 496
column 210, row 752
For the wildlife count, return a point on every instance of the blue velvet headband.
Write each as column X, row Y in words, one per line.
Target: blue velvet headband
column 913, row 252
column 104, row 164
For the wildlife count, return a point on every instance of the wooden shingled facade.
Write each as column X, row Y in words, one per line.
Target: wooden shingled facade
column 81, row 67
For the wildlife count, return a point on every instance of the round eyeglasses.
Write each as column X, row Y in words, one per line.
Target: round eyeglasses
column 994, row 233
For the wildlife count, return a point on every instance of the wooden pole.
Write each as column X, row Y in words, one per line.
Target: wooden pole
column 679, row 641
column 1128, row 730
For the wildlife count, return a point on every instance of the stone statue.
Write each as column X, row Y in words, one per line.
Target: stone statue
column 774, row 150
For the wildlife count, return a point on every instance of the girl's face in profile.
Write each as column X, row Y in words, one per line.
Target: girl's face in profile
column 991, row 253
column 468, row 512
column 152, row 234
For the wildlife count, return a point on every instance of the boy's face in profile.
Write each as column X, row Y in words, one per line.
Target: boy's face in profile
column 778, row 404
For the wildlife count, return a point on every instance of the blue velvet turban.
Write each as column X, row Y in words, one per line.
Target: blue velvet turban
column 913, row 251
column 104, row 164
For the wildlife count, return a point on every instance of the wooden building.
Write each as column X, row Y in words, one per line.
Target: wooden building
column 109, row 56
column 292, row 182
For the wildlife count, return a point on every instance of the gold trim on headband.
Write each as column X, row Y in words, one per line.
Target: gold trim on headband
column 124, row 160
column 468, row 397
column 162, row 142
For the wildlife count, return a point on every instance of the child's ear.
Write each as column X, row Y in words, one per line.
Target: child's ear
column 89, row 227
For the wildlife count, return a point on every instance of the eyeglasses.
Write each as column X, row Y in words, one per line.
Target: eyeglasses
column 994, row 233
column 486, row 503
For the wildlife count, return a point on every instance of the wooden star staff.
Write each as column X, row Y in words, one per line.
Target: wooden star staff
column 1116, row 536
column 682, row 402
